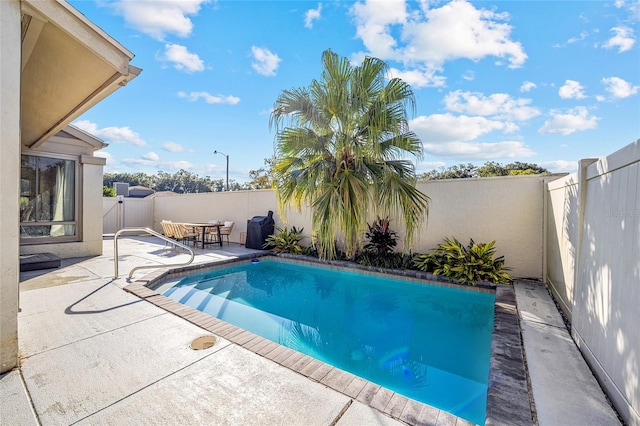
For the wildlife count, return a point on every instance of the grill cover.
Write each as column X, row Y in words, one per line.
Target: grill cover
column 258, row 229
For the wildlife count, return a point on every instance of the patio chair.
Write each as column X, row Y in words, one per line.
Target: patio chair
column 212, row 233
column 225, row 230
column 166, row 228
column 183, row 234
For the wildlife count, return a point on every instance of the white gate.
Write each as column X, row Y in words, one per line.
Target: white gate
column 123, row 212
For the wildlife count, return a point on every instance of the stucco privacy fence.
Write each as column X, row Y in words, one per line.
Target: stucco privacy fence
column 507, row 209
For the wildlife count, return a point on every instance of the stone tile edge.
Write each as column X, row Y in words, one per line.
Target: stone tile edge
column 508, row 394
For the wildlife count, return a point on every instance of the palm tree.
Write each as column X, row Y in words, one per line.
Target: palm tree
column 342, row 147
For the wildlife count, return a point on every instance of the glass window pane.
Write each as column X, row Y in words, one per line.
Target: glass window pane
column 47, row 194
column 42, row 231
column 28, row 188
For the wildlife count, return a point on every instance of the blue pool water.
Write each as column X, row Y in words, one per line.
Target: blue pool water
column 427, row 342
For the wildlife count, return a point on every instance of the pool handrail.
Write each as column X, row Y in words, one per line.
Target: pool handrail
column 156, row 234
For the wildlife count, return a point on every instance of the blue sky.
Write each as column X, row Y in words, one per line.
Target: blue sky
column 547, row 82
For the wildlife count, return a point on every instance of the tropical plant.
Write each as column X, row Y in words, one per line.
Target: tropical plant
column 467, row 265
column 382, row 240
column 378, row 251
column 286, row 241
column 342, row 146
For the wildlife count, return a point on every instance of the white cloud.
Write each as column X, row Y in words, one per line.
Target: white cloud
column 312, row 15
column 264, row 62
column 574, row 120
column 111, row 161
column 623, row 39
column 469, row 75
column 527, row 86
column 160, row 18
column 152, row 156
column 497, row 105
column 111, row 134
column 163, row 165
column 172, row 147
column 417, row 78
column 583, row 35
column 479, row 150
column 430, row 165
column 560, row 166
column 209, row 98
column 374, row 21
column 182, row 59
column 619, row 88
column 571, row 90
column 431, row 37
column 449, row 128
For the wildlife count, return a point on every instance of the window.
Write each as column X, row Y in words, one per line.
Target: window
column 48, row 207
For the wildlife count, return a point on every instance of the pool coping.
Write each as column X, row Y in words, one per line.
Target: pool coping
column 508, row 396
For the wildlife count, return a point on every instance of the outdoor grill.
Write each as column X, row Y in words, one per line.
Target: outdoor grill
column 258, row 229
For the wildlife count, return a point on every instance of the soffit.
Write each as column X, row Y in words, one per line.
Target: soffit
column 68, row 66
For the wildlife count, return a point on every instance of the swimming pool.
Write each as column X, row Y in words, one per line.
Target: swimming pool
column 430, row 343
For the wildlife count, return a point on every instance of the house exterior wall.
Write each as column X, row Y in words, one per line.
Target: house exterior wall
column 594, row 269
column 10, row 51
column 509, row 210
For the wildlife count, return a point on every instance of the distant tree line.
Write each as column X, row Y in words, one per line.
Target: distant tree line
column 489, row 169
column 184, row 182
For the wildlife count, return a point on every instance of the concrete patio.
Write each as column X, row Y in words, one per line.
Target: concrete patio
column 92, row 353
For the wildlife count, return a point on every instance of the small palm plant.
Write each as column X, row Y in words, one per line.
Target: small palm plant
column 286, row 241
column 467, row 265
column 344, row 147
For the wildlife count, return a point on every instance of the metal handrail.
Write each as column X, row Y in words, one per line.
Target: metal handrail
column 152, row 232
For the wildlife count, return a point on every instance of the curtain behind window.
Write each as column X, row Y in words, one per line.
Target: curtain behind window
column 63, row 199
column 47, row 197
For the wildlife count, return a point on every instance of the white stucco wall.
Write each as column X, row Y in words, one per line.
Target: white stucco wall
column 10, row 47
column 509, row 210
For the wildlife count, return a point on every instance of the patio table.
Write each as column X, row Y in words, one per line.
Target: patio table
column 204, row 227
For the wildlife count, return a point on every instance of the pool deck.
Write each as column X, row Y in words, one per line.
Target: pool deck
column 92, row 353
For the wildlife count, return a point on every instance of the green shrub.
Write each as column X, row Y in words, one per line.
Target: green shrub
column 286, row 241
column 108, row 192
column 311, row 250
column 388, row 261
column 467, row 265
